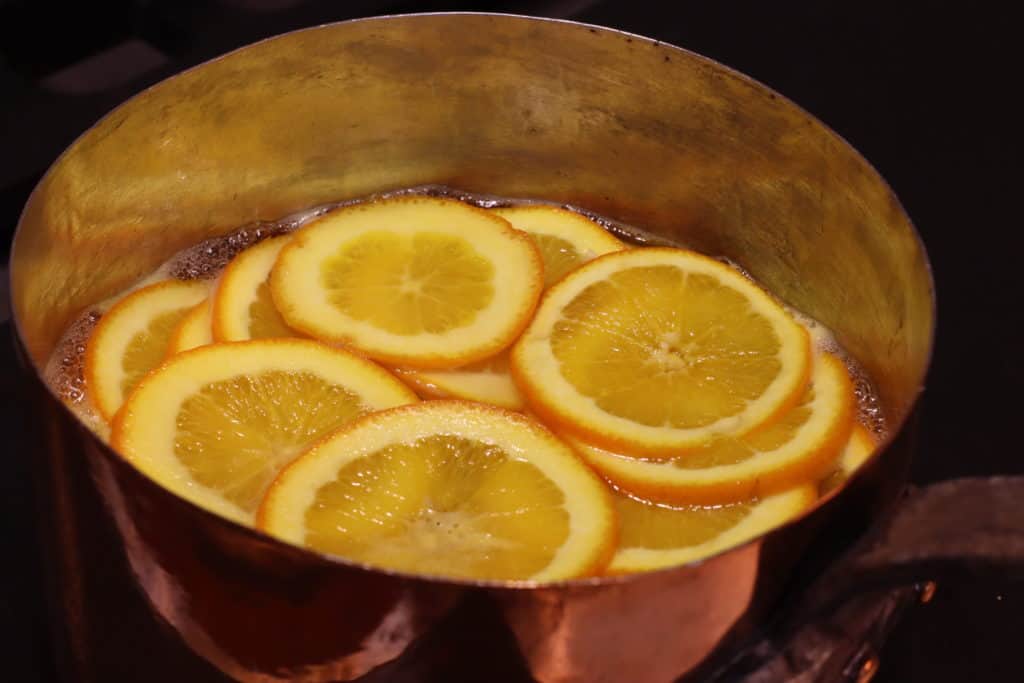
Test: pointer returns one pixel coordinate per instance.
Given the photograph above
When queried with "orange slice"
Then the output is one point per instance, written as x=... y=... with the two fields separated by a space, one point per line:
x=566 y=241
x=655 y=350
x=133 y=337
x=416 y=281
x=447 y=488
x=193 y=331
x=216 y=424
x=487 y=381
x=800 y=446
x=858 y=449
x=654 y=536
x=243 y=307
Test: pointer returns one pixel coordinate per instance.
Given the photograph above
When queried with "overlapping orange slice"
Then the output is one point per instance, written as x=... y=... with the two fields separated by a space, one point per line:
x=415 y=281
x=566 y=241
x=133 y=337
x=193 y=331
x=216 y=424
x=656 y=350
x=858 y=450
x=243 y=307
x=800 y=446
x=653 y=536
x=447 y=488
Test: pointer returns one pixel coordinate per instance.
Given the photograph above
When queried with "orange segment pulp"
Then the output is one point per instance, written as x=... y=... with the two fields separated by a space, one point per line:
x=415 y=281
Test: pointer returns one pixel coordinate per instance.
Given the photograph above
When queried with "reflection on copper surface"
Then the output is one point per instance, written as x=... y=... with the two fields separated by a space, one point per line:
x=323 y=629
x=651 y=629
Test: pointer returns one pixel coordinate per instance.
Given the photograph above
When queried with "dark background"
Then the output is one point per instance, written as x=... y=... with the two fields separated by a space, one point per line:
x=924 y=92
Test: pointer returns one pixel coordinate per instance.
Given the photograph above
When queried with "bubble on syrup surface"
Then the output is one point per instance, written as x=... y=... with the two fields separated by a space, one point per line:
x=65 y=370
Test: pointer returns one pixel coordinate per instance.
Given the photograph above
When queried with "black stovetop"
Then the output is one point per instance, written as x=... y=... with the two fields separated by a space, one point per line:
x=923 y=93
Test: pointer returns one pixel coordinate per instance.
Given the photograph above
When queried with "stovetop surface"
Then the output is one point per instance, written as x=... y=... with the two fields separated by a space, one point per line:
x=924 y=93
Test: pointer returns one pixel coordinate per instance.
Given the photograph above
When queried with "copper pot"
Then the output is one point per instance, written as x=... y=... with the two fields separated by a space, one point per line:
x=149 y=587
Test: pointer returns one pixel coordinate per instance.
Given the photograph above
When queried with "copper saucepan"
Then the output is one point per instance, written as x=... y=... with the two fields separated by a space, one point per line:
x=149 y=587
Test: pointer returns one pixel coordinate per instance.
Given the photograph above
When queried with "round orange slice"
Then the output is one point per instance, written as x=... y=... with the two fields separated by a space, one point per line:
x=446 y=488
x=193 y=331
x=216 y=424
x=800 y=446
x=655 y=350
x=243 y=307
x=487 y=381
x=858 y=449
x=133 y=337
x=415 y=281
x=653 y=536
x=566 y=241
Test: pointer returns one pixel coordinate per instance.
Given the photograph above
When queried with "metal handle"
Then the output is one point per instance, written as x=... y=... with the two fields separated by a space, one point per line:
x=948 y=532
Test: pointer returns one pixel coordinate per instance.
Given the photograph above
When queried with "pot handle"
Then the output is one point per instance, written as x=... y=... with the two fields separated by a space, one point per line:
x=946 y=532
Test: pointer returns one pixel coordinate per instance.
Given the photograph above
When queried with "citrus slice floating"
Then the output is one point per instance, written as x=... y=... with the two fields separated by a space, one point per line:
x=858 y=449
x=243 y=307
x=417 y=281
x=447 y=488
x=800 y=446
x=654 y=536
x=566 y=240
x=655 y=350
x=193 y=331
x=133 y=337
x=216 y=424
x=487 y=381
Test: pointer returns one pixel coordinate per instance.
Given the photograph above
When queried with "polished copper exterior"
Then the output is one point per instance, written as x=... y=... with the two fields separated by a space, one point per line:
x=639 y=131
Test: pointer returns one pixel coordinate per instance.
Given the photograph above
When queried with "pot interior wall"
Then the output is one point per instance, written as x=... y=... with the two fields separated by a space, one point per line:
x=627 y=127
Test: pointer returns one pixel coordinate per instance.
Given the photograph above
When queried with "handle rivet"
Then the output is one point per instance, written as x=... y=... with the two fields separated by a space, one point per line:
x=927 y=592
x=867 y=670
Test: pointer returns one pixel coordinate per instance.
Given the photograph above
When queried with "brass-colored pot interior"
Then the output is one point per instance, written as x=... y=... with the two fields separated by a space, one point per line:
x=627 y=127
